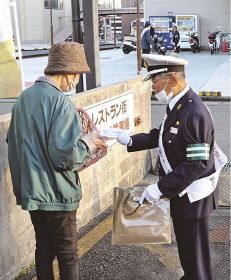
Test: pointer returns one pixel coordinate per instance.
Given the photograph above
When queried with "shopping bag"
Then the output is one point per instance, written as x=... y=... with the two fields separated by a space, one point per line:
x=139 y=224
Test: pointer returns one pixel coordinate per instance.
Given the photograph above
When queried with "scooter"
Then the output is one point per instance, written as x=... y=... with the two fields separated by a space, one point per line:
x=101 y=34
x=194 y=42
x=158 y=45
x=128 y=46
x=214 y=41
x=161 y=49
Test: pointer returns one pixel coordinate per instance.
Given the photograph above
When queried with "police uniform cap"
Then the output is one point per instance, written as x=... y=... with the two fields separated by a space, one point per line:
x=147 y=23
x=157 y=64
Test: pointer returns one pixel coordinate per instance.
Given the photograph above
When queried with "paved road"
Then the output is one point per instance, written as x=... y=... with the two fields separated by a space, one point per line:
x=204 y=71
x=116 y=66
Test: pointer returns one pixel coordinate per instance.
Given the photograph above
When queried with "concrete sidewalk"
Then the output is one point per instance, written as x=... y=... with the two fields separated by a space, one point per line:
x=116 y=66
x=150 y=262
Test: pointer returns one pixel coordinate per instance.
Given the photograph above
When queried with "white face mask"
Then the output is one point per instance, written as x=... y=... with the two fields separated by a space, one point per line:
x=162 y=96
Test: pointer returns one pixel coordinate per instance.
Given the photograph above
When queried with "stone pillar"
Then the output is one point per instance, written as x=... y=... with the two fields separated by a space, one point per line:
x=91 y=42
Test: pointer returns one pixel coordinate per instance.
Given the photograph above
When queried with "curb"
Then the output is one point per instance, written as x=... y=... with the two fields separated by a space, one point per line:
x=216 y=98
x=108 y=47
x=207 y=98
x=210 y=93
x=36 y=52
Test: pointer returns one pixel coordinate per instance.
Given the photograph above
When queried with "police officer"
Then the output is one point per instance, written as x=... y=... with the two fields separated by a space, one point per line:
x=188 y=177
x=154 y=38
x=146 y=39
x=175 y=39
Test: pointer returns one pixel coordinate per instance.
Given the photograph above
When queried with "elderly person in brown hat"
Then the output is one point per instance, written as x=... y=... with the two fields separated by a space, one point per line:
x=45 y=147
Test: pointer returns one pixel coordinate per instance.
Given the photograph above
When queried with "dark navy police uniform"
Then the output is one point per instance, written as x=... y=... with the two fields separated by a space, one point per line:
x=192 y=123
x=176 y=41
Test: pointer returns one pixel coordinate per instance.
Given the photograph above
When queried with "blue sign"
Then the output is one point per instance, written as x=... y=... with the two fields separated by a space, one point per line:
x=163 y=26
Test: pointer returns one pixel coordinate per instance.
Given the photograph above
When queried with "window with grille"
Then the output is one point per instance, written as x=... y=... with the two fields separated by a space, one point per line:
x=54 y=4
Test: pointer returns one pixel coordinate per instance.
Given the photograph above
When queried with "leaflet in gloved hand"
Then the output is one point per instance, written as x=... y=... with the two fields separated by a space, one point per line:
x=116 y=133
x=110 y=132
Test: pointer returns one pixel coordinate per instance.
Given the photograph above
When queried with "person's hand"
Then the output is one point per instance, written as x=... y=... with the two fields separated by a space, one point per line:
x=151 y=193
x=99 y=143
x=117 y=133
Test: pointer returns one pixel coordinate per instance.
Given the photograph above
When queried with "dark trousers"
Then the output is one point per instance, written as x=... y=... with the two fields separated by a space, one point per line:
x=192 y=237
x=55 y=234
x=146 y=51
x=177 y=50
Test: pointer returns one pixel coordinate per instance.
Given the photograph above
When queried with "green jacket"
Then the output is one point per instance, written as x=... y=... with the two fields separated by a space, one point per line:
x=44 y=149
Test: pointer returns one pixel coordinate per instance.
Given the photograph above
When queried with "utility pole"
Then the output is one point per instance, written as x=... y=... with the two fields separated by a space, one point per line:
x=91 y=42
x=77 y=35
x=138 y=39
x=51 y=23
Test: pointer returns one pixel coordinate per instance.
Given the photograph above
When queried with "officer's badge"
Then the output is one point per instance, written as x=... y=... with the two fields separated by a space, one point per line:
x=177 y=123
x=179 y=106
x=173 y=130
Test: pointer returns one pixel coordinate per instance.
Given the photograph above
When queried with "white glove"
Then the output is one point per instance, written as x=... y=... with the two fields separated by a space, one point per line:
x=117 y=133
x=151 y=193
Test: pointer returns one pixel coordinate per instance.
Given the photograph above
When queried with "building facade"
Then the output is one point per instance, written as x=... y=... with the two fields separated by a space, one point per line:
x=109 y=4
x=35 y=20
x=211 y=13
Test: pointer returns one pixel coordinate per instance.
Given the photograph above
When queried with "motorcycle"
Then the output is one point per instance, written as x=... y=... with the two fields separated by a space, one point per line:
x=194 y=42
x=128 y=46
x=214 y=41
x=158 y=45
x=161 y=49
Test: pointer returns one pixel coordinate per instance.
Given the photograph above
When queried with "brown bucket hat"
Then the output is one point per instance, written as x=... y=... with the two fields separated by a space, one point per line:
x=67 y=58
